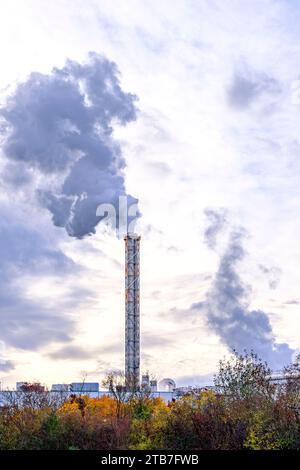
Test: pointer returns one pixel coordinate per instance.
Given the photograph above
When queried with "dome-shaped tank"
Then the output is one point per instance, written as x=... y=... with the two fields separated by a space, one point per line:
x=166 y=385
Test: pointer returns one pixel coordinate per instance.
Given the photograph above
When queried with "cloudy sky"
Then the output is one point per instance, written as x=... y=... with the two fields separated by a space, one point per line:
x=193 y=109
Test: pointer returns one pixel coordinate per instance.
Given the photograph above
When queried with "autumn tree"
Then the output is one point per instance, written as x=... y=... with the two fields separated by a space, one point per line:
x=115 y=383
x=244 y=377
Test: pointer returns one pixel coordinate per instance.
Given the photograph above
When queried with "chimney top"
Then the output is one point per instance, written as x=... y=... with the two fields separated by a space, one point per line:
x=132 y=235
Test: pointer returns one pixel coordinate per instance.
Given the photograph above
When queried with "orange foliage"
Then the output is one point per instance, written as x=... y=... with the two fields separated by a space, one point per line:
x=102 y=407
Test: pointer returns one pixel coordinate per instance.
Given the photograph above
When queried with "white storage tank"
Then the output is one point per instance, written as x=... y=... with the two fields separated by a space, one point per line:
x=167 y=385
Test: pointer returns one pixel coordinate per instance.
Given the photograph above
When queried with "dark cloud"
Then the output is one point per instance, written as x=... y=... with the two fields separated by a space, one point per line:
x=246 y=87
x=71 y=352
x=25 y=254
x=25 y=249
x=16 y=175
x=60 y=126
x=6 y=366
x=27 y=325
x=227 y=309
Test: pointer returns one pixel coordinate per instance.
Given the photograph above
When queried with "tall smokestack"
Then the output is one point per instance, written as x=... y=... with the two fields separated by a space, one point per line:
x=132 y=310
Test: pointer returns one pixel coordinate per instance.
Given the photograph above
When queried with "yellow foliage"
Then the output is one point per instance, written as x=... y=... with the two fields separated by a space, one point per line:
x=102 y=407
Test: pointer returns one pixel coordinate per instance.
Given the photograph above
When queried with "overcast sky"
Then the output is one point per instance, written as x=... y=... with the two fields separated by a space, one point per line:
x=193 y=109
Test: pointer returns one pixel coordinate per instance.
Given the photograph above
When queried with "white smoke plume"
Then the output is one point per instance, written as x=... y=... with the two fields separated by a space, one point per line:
x=227 y=302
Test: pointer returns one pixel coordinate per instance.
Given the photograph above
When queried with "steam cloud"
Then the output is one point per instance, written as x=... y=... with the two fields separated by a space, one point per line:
x=227 y=302
x=59 y=127
x=217 y=222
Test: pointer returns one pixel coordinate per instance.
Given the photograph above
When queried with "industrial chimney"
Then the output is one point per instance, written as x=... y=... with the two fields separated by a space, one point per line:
x=132 y=310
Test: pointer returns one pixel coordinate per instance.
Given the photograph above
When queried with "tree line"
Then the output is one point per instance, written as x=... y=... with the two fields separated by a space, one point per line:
x=246 y=410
